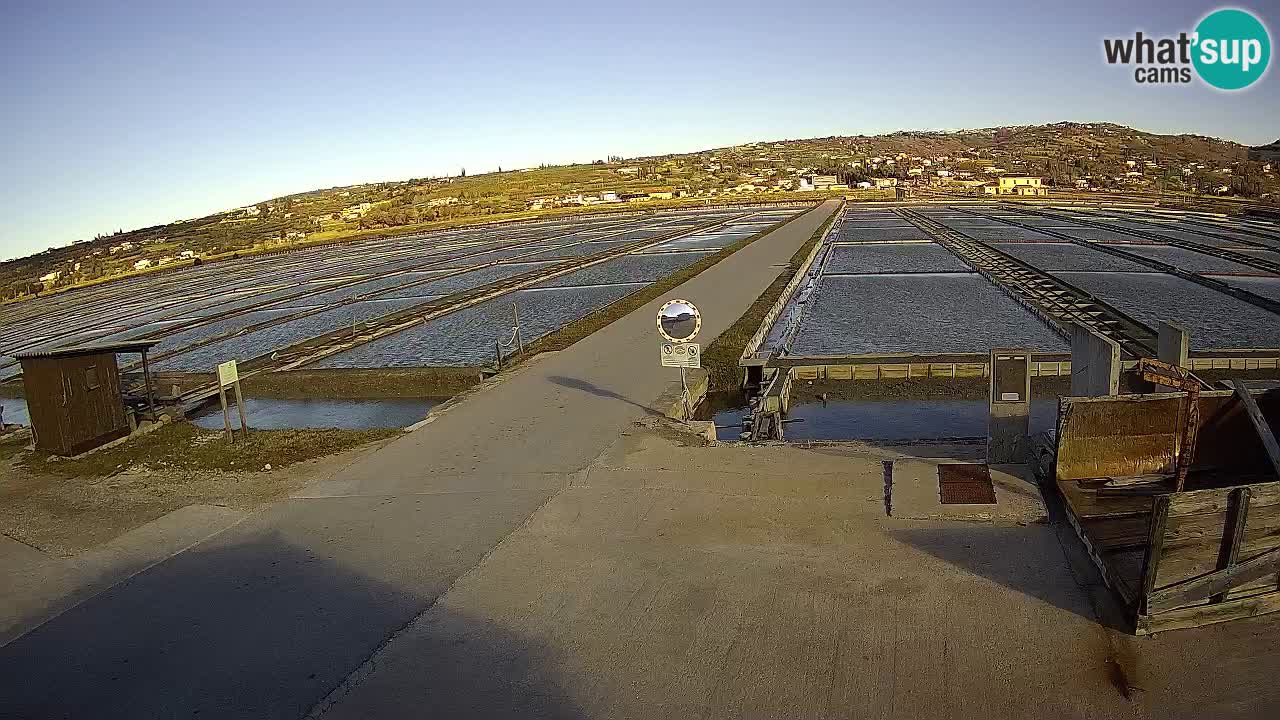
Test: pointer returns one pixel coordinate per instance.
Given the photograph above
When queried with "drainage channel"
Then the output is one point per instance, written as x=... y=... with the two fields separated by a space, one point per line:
x=876 y=420
x=323 y=413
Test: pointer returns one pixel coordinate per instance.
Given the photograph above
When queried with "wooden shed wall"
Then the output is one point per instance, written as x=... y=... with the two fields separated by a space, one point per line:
x=68 y=413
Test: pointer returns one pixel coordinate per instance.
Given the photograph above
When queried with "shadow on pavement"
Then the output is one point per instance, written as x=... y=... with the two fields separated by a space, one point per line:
x=199 y=636
x=1026 y=559
x=598 y=391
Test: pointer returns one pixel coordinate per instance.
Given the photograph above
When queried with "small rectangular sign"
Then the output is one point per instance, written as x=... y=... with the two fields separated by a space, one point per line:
x=685 y=355
x=227 y=373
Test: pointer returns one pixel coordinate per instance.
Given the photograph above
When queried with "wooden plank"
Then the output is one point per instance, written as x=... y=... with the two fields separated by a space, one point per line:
x=1191 y=545
x=1155 y=544
x=1118 y=533
x=1106 y=570
x=1140 y=434
x=1085 y=503
x=1196 y=557
x=1125 y=567
x=1131 y=435
x=1189 y=591
x=1197 y=616
x=1259 y=424
x=1233 y=534
x=1217 y=500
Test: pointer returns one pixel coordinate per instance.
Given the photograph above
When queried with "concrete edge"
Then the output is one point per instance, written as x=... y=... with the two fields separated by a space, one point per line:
x=480 y=387
x=671 y=406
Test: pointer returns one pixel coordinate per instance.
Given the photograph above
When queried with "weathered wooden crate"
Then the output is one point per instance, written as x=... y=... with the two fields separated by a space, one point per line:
x=1175 y=559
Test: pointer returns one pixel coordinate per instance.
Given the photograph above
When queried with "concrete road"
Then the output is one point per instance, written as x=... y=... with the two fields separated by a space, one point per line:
x=266 y=619
x=769 y=582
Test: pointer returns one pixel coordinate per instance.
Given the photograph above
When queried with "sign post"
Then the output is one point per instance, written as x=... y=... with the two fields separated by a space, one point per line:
x=679 y=322
x=229 y=376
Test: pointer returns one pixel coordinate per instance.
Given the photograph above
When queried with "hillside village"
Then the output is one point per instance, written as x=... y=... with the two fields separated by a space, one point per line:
x=1016 y=161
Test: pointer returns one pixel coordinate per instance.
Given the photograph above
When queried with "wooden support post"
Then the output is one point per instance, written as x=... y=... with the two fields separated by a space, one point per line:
x=1155 y=547
x=244 y=425
x=146 y=378
x=1190 y=436
x=515 y=314
x=1232 y=533
x=1173 y=344
x=1260 y=424
x=226 y=415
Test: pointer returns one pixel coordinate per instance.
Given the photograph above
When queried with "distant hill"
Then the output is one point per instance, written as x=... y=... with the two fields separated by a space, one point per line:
x=1104 y=155
x=1265 y=153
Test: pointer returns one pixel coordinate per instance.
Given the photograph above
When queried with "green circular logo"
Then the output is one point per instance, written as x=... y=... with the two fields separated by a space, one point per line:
x=1232 y=49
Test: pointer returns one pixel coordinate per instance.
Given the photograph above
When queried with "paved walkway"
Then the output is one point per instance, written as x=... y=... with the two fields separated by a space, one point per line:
x=266 y=619
x=769 y=582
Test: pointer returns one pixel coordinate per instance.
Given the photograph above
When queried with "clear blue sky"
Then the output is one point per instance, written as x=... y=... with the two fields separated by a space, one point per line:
x=127 y=114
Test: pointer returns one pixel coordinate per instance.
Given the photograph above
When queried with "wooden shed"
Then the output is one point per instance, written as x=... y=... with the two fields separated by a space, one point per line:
x=74 y=395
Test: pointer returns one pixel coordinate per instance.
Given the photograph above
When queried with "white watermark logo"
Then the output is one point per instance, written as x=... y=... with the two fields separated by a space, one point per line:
x=1229 y=50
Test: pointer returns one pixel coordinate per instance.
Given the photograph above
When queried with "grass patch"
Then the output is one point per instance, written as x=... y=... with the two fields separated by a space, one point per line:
x=183 y=446
x=588 y=324
x=720 y=358
x=13 y=446
x=362 y=384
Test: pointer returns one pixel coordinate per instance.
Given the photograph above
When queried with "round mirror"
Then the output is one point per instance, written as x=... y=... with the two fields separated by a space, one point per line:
x=679 y=321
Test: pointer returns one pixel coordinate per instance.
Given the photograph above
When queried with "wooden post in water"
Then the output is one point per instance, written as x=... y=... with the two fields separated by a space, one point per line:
x=146 y=378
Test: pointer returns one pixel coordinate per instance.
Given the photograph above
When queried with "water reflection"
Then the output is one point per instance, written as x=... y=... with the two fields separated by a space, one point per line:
x=274 y=414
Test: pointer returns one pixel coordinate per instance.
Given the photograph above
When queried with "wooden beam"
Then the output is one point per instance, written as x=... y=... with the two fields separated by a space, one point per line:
x=1259 y=424
x=1151 y=558
x=1200 y=615
x=1232 y=533
x=1199 y=588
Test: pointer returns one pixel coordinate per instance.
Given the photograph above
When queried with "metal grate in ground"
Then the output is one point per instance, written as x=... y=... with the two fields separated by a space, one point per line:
x=965 y=484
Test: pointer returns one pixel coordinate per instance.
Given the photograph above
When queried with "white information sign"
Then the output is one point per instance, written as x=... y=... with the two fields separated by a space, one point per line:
x=681 y=355
x=227 y=373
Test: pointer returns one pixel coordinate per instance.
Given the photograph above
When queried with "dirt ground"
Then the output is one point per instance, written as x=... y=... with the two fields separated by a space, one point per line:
x=64 y=507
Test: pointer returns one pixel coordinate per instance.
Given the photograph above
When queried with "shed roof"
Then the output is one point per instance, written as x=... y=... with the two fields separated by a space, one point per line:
x=133 y=346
